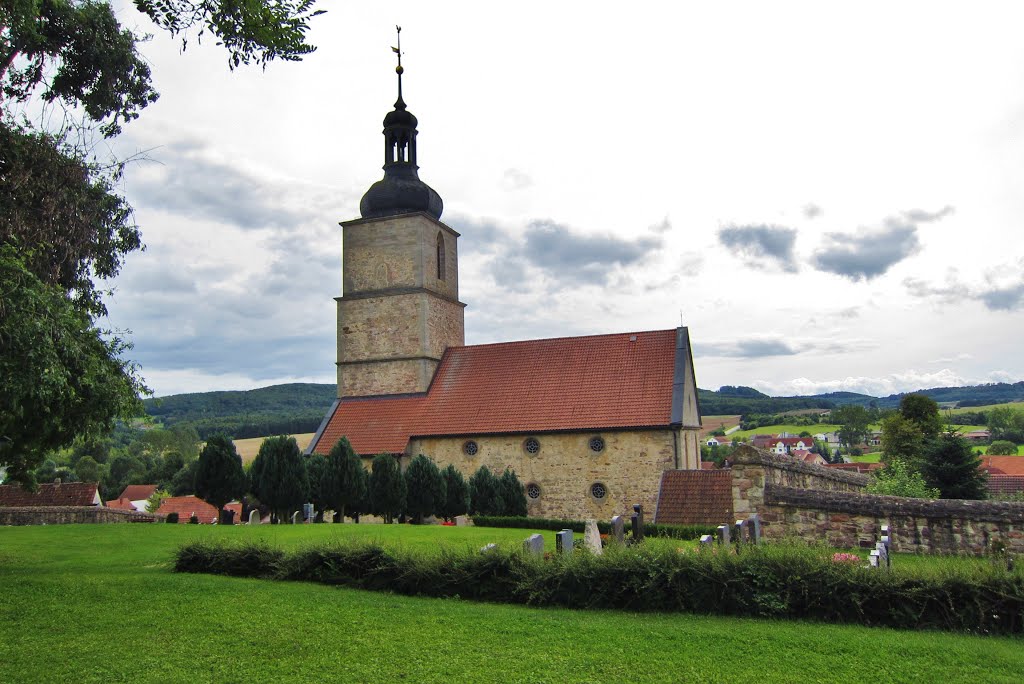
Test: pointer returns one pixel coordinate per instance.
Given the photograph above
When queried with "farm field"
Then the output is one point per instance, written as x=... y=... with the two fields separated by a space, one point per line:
x=248 y=448
x=99 y=603
x=1016 y=405
x=792 y=429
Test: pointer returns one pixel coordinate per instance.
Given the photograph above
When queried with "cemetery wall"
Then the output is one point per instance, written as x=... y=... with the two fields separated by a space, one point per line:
x=65 y=515
x=818 y=503
x=566 y=468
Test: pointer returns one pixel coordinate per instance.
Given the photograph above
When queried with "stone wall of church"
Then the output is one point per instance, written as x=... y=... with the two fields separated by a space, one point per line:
x=387 y=377
x=566 y=468
x=380 y=327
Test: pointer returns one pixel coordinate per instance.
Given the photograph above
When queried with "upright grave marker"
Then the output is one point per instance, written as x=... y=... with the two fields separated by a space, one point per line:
x=534 y=545
x=618 y=530
x=563 y=541
x=638 y=523
x=254 y=517
x=592 y=538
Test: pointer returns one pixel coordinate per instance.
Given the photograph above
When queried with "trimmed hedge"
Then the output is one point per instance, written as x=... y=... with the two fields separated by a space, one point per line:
x=650 y=529
x=779 y=580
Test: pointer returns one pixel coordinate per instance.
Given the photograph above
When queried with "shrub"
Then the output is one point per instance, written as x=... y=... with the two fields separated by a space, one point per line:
x=172 y=518
x=193 y=519
x=790 y=580
x=650 y=529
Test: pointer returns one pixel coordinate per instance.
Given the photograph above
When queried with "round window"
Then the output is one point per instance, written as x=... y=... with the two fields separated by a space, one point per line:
x=470 y=448
x=531 y=445
x=596 y=444
x=533 y=490
x=598 y=491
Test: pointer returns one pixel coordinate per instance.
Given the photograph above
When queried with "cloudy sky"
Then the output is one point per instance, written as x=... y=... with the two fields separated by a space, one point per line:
x=828 y=196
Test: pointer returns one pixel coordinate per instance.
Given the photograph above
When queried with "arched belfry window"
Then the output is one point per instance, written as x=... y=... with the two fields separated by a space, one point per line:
x=440 y=257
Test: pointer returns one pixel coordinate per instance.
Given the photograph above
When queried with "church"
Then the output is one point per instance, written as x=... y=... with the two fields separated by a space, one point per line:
x=589 y=424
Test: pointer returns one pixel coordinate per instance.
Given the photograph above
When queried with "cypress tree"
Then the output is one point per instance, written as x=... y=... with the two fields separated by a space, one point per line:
x=387 y=487
x=283 y=483
x=485 y=493
x=424 y=488
x=456 y=493
x=320 y=482
x=513 y=494
x=219 y=474
x=347 y=479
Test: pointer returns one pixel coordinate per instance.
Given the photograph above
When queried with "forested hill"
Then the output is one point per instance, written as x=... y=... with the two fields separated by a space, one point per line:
x=293 y=409
x=299 y=407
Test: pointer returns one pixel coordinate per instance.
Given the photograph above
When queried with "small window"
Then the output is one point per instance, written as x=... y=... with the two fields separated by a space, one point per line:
x=440 y=257
x=598 y=491
x=596 y=444
x=531 y=445
x=470 y=448
x=533 y=490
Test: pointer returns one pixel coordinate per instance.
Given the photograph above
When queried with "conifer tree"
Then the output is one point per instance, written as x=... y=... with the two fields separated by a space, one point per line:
x=951 y=466
x=279 y=476
x=346 y=481
x=456 y=493
x=320 y=481
x=513 y=493
x=387 y=487
x=425 y=489
x=219 y=474
x=485 y=496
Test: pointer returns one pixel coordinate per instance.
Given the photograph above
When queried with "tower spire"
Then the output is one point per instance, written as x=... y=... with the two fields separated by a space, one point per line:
x=399 y=103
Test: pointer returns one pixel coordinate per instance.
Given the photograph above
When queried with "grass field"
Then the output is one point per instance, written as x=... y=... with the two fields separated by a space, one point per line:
x=247 y=448
x=98 y=603
x=1015 y=405
x=792 y=429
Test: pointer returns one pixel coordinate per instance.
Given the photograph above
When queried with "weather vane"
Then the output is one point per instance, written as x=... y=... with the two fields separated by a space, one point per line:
x=399 y=69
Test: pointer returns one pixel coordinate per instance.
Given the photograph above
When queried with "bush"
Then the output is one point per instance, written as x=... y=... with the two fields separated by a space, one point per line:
x=172 y=518
x=790 y=580
x=650 y=529
x=193 y=519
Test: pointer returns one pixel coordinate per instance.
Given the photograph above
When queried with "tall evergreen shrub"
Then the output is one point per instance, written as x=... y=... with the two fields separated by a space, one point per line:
x=347 y=480
x=485 y=493
x=387 y=487
x=278 y=476
x=425 y=489
x=219 y=474
x=456 y=493
x=513 y=494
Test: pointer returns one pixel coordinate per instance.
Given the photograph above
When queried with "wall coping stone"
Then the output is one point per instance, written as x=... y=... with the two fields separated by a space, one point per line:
x=748 y=455
x=881 y=506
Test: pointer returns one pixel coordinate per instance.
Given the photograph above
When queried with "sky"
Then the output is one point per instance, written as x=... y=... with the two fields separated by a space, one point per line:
x=828 y=196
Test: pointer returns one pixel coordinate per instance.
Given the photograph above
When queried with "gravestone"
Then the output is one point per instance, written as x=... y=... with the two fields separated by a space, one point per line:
x=755 y=528
x=534 y=544
x=707 y=540
x=461 y=521
x=618 y=530
x=296 y=517
x=488 y=548
x=873 y=558
x=883 y=555
x=563 y=541
x=638 y=523
x=308 y=512
x=592 y=538
x=741 y=532
x=254 y=517
x=723 y=534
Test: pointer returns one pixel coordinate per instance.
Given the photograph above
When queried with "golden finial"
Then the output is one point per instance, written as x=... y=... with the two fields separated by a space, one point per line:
x=398 y=51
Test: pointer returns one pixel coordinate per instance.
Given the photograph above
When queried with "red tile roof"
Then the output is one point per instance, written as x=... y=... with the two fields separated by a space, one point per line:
x=572 y=383
x=695 y=497
x=1003 y=465
x=138 y=492
x=1005 y=484
x=186 y=506
x=64 y=494
x=121 y=504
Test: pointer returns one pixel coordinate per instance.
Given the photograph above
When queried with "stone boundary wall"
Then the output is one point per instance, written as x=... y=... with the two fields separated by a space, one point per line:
x=818 y=503
x=66 y=515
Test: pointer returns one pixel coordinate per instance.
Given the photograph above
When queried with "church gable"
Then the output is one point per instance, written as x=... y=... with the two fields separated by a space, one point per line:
x=628 y=380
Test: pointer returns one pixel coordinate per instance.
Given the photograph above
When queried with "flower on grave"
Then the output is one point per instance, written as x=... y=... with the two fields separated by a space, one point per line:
x=846 y=558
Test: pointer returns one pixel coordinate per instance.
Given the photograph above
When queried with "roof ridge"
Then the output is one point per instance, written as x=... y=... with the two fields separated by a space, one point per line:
x=563 y=337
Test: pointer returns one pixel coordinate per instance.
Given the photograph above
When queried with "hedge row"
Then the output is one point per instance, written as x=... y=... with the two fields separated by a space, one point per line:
x=768 y=581
x=650 y=529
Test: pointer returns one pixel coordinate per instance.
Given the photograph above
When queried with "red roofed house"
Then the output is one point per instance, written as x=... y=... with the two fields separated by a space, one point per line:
x=588 y=423
x=187 y=506
x=54 y=494
x=138 y=495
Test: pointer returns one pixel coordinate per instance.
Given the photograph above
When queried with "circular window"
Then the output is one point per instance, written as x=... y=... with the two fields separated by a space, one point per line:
x=470 y=448
x=598 y=491
x=533 y=490
x=531 y=445
x=596 y=444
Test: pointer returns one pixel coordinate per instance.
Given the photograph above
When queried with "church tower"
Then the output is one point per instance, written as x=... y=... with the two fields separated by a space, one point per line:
x=400 y=307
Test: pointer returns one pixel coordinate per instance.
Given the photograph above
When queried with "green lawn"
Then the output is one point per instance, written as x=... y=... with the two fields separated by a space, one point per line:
x=98 y=603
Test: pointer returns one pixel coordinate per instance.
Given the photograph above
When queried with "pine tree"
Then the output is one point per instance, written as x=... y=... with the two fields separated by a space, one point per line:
x=219 y=474
x=320 y=482
x=950 y=465
x=456 y=493
x=387 y=487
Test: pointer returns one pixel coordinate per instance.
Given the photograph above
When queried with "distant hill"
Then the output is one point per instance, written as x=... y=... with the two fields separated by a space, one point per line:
x=279 y=409
x=300 y=407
